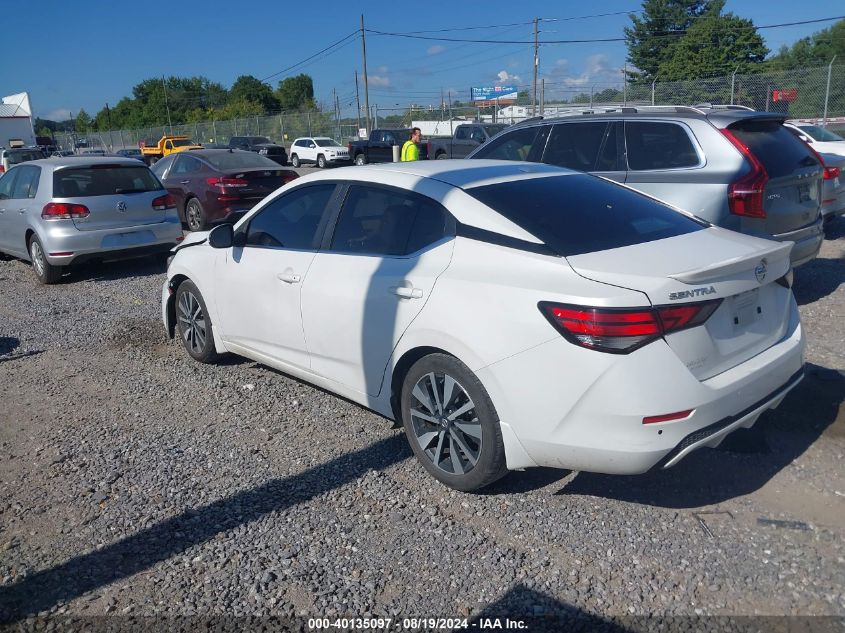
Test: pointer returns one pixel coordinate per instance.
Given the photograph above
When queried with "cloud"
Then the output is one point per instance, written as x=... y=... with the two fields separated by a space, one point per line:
x=59 y=114
x=436 y=49
x=378 y=80
x=504 y=75
x=597 y=70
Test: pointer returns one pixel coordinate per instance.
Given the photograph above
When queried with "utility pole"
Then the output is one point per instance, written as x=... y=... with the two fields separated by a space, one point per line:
x=827 y=93
x=542 y=96
x=167 y=107
x=536 y=64
x=357 y=101
x=625 y=85
x=334 y=107
x=366 y=84
x=451 y=125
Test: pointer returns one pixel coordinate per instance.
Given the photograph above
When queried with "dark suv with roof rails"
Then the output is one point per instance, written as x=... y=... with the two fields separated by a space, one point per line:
x=731 y=166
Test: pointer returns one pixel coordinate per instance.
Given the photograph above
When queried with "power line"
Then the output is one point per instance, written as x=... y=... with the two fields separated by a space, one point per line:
x=587 y=41
x=310 y=57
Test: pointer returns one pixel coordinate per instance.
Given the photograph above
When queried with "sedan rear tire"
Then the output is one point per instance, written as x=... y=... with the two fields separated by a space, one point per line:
x=195 y=216
x=451 y=424
x=44 y=270
x=193 y=323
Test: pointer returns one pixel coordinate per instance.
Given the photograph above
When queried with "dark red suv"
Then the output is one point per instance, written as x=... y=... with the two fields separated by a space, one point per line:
x=211 y=184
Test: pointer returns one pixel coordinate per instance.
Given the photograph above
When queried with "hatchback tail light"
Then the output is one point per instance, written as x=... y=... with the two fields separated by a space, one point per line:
x=745 y=196
x=2 y=169
x=227 y=182
x=162 y=203
x=622 y=330
x=64 y=211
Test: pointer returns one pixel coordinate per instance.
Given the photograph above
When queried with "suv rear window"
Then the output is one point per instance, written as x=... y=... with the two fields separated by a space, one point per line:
x=15 y=157
x=780 y=152
x=579 y=214
x=103 y=180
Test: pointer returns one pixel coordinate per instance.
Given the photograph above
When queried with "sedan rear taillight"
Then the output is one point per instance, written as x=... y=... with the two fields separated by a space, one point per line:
x=289 y=176
x=64 y=211
x=227 y=182
x=745 y=196
x=162 y=203
x=830 y=173
x=622 y=330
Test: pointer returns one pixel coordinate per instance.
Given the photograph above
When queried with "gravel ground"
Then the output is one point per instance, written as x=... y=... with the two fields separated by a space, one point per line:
x=134 y=481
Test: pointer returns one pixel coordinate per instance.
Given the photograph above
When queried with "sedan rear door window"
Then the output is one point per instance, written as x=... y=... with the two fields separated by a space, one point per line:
x=382 y=221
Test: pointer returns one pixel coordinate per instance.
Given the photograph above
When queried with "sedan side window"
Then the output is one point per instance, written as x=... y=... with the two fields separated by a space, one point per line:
x=6 y=183
x=27 y=183
x=291 y=221
x=379 y=221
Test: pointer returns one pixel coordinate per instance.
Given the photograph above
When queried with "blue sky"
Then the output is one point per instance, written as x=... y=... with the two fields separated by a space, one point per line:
x=99 y=50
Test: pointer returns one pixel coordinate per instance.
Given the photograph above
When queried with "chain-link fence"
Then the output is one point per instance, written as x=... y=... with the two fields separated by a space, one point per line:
x=806 y=93
x=283 y=127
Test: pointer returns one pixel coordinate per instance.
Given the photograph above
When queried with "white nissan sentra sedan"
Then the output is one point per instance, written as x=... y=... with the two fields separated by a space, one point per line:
x=509 y=315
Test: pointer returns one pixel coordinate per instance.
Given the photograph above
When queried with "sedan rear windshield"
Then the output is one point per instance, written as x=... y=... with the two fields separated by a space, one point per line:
x=821 y=134
x=22 y=156
x=583 y=214
x=780 y=152
x=103 y=180
x=232 y=161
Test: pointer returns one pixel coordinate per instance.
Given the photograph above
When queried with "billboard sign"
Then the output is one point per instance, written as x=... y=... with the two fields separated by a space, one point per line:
x=493 y=93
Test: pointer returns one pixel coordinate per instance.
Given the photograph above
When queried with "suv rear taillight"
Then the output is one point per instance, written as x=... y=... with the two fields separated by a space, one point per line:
x=622 y=330
x=745 y=196
x=64 y=211
x=162 y=203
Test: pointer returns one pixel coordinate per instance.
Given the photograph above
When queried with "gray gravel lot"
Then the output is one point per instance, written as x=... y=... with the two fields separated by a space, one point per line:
x=136 y=481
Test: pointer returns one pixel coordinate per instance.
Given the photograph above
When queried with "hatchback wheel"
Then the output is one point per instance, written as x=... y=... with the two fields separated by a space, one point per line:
x=360 y=159
x=321 y=161
x=294 y=160
x=451 y=423
x=195 y=216
x=44 y=270
x=194 y=323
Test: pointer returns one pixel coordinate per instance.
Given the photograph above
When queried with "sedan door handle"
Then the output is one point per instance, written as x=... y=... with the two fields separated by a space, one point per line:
x=22 y=211
x=289 y=278
x=184 y=182
x=407 y=293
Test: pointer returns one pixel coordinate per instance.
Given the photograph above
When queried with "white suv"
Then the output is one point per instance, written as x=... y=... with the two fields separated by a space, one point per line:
x=319 y=150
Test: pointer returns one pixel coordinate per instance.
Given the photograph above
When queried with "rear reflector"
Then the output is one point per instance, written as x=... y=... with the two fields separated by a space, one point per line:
x=669 y=417
x=180 y=238
x=162 y=203
x=61 y=254
x=622 y=330
x=745 y=196
x=64 y=211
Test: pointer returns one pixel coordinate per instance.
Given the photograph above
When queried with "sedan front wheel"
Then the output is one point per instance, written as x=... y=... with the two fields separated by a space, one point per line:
x=193 y=323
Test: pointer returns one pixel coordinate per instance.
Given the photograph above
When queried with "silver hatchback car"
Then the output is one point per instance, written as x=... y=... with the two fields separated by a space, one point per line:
x=62 y=211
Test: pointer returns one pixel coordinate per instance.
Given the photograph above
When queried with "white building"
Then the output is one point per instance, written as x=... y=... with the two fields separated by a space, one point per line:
x=16 y=120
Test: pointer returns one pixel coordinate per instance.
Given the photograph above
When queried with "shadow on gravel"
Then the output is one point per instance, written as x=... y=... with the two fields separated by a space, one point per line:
x=9 y=344
x=45 y=589
x=745 y=461
x=121 y=269
x=539 y=612
x=818 y=279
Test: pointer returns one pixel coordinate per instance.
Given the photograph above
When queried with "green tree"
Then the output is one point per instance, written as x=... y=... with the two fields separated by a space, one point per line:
x=815 y=50
x=296 y=93
x=248 y=88
x=651 y=38
x=83 y=121
x=713 y=46
x=238 y=109
x=44 y=131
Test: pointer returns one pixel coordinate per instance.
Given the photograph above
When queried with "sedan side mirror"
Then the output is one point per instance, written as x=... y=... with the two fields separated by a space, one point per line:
x=221 y=236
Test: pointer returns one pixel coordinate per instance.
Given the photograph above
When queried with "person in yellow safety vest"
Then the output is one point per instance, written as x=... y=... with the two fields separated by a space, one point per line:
x=410 y=151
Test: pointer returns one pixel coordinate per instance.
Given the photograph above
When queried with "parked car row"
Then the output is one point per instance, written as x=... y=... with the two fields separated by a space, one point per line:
x=439 y=293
